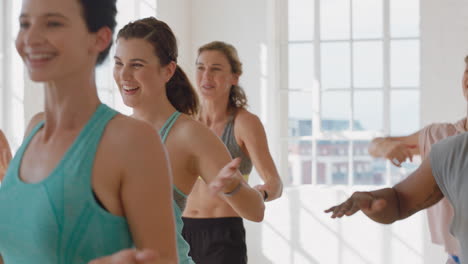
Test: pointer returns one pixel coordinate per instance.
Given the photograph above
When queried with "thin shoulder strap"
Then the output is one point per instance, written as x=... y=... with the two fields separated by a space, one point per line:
x=164 y=132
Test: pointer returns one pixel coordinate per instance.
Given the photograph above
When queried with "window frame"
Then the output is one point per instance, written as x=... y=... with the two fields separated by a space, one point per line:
x=348 y=135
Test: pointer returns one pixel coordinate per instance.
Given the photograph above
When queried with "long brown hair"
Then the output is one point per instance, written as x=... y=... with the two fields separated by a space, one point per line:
x=237 y=97
x=179 y=90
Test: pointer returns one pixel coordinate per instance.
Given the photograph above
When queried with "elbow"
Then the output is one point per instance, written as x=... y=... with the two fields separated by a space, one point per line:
x=256 y=216
x=260 y=215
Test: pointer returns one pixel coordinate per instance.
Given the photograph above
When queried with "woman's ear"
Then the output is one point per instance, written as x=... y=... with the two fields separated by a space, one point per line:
x=235 y=79
x=169 y=70
x=102 y=39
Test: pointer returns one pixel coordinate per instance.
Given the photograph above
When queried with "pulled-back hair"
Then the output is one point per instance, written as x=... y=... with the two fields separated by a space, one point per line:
x=179 y=90
x=237 y=97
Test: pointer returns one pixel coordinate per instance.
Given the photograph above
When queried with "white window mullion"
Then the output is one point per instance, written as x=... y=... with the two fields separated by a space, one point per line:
x=386 y=78
x=316 y=90
x=351 y=110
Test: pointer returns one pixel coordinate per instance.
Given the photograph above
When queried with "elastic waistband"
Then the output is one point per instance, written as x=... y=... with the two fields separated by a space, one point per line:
x=208 y=223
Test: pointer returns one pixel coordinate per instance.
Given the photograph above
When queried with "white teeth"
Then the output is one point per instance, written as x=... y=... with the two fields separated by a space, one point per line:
x=127 y=88
x=40 y=56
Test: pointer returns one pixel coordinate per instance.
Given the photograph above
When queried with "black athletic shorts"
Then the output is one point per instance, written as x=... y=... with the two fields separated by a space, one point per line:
x=216 y=240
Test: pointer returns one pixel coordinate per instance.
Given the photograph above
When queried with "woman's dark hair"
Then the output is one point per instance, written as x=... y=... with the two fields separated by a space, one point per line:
x=98 y=14
x=179 y=90
x=237 y=97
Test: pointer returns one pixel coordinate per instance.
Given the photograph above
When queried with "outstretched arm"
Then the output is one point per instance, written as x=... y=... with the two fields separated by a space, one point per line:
x=250 y=130
x=418 y=191
x=395 y=149
x=219 y=171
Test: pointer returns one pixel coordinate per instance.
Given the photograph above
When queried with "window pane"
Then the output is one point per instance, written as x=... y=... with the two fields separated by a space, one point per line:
x=106 y=96
x=300 y=161
x=367 y=19
x=397 y=174
x=366 y=169
x=404 y=18
x=332 y=161
x=404 y=63
x=300 y=114
x=119 y=104
x=335 y=65
x=368 y=64
x=334 y=19
x=404 y=112
x=368 y=110
x=301 y=19
x=336 y=109
x=301 y=66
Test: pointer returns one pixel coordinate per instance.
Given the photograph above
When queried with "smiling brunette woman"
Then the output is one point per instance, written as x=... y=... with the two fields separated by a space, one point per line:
x=87 y=181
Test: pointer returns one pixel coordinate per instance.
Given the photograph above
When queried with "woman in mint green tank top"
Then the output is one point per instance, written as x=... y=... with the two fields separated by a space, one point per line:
x=160 y=94
x=79 y=186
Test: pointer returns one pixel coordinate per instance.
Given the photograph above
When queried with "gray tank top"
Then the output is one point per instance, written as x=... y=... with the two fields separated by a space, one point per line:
x=229 y=140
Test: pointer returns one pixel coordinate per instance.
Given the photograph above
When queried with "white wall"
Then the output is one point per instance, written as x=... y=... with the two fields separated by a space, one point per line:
x=444 y=41
x=177 y=14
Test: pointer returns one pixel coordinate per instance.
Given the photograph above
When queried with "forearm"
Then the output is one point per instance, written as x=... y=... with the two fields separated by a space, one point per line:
x=391 y=212
x=374 y=147
x=274 y=189
x=247 y=202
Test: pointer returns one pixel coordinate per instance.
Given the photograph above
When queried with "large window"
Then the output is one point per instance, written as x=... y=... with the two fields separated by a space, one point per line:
x=128 y=11
x=11 y=75
x=352 y=74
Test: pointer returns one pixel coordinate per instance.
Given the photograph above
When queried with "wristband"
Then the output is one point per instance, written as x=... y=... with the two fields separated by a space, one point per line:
x=234 y=191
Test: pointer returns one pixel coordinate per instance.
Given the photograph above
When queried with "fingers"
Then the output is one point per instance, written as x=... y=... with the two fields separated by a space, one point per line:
x=233 y=164
x=399 y=153
x=225 y=177
x=128 y=256
x=260 y=187
x=358 y=201
x=342 y=209
x=145 y=255
x=395 y=162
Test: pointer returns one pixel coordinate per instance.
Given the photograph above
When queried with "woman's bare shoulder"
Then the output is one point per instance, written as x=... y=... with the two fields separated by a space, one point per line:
x=128 y=134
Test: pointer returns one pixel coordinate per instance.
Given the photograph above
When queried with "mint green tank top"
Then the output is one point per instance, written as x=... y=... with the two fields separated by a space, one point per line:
x=57 y=220
x=179 y=200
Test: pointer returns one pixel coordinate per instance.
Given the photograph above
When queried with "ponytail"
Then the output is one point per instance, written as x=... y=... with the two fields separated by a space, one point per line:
x=181 y=94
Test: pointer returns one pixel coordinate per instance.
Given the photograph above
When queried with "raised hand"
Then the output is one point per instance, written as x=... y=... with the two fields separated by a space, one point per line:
x=394 y=150
x=227 y=179
x=363 y=201
x=128 y=256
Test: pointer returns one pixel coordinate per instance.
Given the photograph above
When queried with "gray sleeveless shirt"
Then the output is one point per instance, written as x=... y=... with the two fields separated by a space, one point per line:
x=229 y=140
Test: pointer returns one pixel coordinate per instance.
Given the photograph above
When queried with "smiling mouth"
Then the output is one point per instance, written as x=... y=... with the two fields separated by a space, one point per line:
x=127 y=88
x=39 y=58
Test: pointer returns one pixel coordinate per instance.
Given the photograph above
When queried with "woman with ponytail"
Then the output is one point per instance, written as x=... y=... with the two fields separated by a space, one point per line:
x=151 y=82
x=223 y=110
